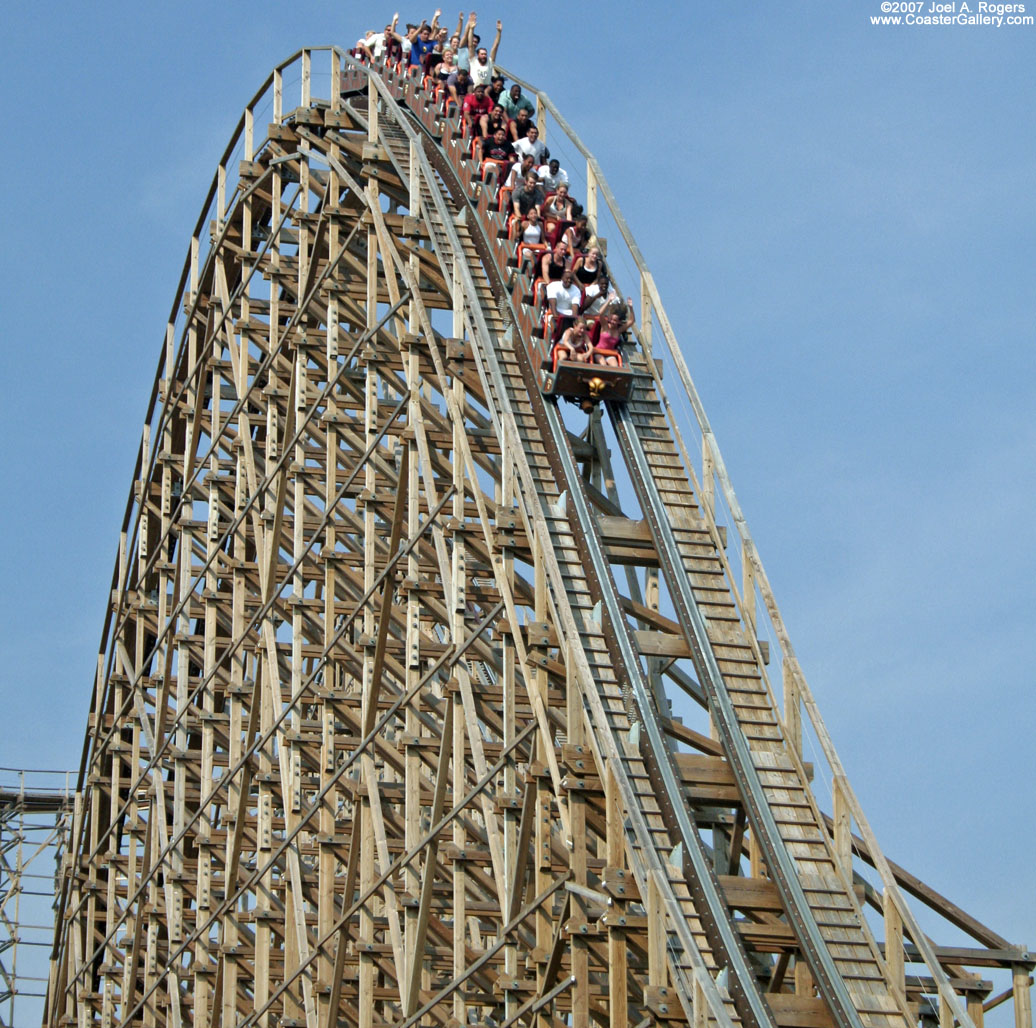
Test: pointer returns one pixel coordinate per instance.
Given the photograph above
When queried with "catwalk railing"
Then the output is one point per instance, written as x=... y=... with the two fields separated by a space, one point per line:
x=35 y=810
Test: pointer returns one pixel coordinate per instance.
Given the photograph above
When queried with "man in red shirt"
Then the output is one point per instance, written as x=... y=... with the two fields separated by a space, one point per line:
x=475 y=111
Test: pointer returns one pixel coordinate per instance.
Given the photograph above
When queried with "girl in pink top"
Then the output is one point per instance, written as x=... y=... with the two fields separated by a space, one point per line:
x=615 y=321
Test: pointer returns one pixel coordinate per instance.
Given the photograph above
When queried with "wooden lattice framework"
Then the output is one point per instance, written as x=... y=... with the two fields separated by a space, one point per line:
x=375 y=733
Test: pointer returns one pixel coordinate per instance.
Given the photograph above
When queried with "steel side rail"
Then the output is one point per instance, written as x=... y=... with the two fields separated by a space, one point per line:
x=486 y=353
x=656 y=741
x=828 y=979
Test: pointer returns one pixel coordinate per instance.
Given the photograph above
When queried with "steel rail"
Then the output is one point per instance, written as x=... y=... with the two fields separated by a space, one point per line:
x=490 y=365
x=701 y=870
x=778 y=861
x=742 y=978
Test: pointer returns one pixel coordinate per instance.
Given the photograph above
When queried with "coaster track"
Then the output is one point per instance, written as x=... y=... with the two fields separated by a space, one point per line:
x=411 y=707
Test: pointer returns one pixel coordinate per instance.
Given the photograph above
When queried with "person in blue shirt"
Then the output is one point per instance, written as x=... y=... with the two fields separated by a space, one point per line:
x=421 y=43
x=423 y=39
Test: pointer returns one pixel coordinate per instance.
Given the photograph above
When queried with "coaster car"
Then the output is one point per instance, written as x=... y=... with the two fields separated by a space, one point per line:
x=586 y=384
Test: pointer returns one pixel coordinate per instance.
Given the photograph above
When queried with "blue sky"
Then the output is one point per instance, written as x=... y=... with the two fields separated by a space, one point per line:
x=841 y=222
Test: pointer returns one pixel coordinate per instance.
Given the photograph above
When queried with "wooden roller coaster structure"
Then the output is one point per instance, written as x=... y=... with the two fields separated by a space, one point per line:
x=412 y=706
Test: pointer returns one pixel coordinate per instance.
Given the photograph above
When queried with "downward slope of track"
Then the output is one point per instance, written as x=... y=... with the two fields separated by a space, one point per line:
x=694 y=931
x=841 y=952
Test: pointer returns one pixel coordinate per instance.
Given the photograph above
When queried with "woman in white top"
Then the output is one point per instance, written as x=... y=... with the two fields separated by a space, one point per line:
x=557 y=212
x=574 y=344
x=531 y=238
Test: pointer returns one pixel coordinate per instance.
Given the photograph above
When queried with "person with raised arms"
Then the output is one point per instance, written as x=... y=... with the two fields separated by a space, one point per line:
x=481 y=59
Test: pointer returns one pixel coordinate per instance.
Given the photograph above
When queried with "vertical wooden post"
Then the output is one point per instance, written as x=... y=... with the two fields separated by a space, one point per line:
x=414 y=727
x=657 y=974
x=699 y=1005
x=577 y=807
x=221 y=195
x=292 y=1007
x=278 y=95
x=508 y=678
x=747 y=586
x=894 y=963
x=792 y=705
x=336 y=81
x=843 y=839
x=249 y=142
x=195 y=246
x=458 y=574
x=369 y=912
x=203 y=879
x=152 y=968
x=459 y=840
x=266 y=891
x=114 y=788
x=372 y=114
x=804 y=979
x=591 y=198
x=646 y=314
x=975 y=1011
x=1022 y=997
x=654 y=664
x=307 y=72
x=756 y=866
x=615 y=857
x=708 y=478
x=327 y=862
x=544 y=805
x=415 y=192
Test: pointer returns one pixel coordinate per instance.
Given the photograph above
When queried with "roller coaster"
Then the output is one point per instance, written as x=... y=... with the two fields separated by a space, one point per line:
x=425 y=699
